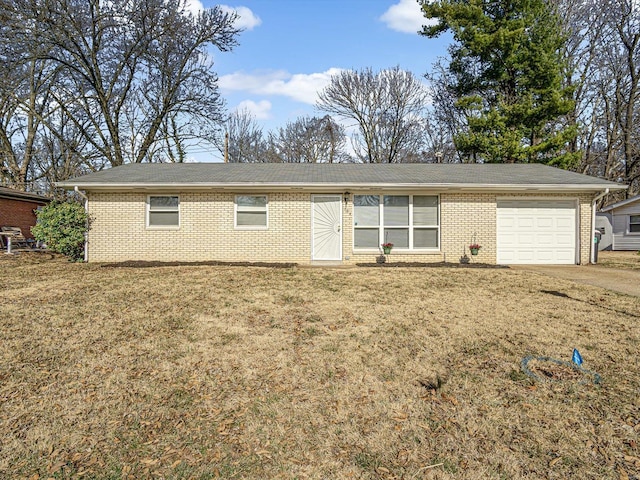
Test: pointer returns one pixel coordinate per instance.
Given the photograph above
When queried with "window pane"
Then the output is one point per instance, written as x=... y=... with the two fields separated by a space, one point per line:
x=396 y=210
x=163 y=219
x=425 y=210
x=163 y=203
x=634 y=228
x=634 y=218
x=251 y=201
x=366 y=238
x=366 y=210
x=425 y=238
x=398 y=236
x=254 y=219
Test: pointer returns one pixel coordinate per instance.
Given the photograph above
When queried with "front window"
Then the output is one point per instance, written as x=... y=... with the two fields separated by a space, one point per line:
x=366 y=220
x=410 y=222
x=251 y=212
x=634 y=223
x=163 y=211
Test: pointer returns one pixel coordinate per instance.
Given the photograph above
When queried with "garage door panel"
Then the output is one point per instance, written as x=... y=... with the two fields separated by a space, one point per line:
x=545 y=222
x=525 y=222
x=566 y=256
x=545 y=256
x=565 y=222
x=525 y=240
x=545 y=241
x=536 y=231
x=524 y=256
x=565 y=240
x=508 y=222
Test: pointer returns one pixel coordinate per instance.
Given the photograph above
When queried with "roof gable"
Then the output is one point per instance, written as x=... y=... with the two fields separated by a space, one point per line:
x=622 y=203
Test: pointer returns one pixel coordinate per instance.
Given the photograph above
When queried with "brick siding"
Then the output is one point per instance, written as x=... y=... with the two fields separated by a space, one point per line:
x=207 y=230
x=18 y=213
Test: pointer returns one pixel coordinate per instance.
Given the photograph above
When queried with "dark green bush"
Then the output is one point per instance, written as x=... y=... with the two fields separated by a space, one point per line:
x=62 y=226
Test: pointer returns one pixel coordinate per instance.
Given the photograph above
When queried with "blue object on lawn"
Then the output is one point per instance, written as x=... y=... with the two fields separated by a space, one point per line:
x=577 y=358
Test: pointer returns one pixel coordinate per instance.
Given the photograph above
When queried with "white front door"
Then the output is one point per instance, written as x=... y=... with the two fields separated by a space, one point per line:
x=326 y=227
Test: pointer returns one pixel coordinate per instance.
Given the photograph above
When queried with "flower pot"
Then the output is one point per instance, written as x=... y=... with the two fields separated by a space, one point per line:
x=474 y=251
x=386 y=250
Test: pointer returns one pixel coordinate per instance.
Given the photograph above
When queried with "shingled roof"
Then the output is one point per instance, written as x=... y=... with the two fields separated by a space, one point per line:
x=336 y=176
x=13 y=194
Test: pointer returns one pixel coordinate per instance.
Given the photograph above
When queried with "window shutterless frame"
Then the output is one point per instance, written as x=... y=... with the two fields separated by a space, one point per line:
x=251 y=212
x=634 y=225
x=408 y=221
x=163 y=212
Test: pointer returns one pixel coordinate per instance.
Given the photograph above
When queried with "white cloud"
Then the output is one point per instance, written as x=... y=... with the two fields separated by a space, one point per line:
x=301 y=87
x=247 y=20
x=406 y=17
x=260 y=110
x=194 y=7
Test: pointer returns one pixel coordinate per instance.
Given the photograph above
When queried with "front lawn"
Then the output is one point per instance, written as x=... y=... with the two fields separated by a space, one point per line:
x=624 y=260
x=245 y=372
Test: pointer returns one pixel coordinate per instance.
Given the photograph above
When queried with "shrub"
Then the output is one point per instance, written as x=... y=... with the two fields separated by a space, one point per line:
x=62 y=226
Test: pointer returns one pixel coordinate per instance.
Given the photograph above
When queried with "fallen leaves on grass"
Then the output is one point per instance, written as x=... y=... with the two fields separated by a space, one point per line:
x=243 y=372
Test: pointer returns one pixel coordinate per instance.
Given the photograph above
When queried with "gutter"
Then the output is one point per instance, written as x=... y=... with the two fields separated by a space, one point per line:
x=593 y=223
x=86 y=233
x=334 y=187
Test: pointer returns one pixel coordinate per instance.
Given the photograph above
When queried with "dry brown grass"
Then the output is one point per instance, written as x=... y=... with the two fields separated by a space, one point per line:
x=232 y=372
x=626 y=260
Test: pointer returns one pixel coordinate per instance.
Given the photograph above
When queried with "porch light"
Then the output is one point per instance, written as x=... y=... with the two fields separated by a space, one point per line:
x=346 y=197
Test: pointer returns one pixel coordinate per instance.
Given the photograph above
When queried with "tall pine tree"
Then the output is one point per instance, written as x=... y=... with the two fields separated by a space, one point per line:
x=507 y=70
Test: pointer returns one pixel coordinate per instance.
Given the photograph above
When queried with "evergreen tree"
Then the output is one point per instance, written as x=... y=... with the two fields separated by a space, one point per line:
x=506 y=69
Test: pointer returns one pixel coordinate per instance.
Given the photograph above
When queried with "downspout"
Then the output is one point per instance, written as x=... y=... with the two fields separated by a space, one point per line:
x=86 y=209
x=593 y=222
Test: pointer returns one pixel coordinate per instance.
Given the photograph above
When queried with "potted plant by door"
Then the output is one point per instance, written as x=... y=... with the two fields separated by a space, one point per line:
x=474 y=248
x=386 y=247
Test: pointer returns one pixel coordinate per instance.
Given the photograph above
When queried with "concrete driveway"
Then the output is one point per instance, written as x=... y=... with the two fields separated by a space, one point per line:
x=615 y=279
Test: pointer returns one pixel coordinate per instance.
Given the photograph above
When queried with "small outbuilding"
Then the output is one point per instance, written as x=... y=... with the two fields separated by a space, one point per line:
x=619 y=224
x=17 y=209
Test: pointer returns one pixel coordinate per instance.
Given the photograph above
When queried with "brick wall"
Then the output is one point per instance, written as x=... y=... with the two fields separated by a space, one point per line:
x=586 y=231
x=207 y=231
x=18 y=213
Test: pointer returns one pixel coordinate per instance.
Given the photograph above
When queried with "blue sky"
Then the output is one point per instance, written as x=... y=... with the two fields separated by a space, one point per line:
x=290 y=48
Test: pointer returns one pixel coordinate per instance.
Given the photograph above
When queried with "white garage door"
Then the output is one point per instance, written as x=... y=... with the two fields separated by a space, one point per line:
x=536 y=231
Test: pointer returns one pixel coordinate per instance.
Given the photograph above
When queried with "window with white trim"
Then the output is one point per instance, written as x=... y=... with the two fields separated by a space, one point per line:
x=251 y=212
x=634 y=223
x=410 y=222
x=163 y=211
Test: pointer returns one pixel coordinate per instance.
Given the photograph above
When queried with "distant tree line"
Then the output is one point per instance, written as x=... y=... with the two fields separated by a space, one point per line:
x=386 y=112
x=304 y=140
x=87 y=84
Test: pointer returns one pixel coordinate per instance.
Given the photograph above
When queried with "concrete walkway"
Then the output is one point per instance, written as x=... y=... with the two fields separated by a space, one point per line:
x=615 y=279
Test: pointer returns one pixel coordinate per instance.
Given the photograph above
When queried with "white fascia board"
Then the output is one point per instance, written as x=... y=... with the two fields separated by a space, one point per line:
x=333 y=187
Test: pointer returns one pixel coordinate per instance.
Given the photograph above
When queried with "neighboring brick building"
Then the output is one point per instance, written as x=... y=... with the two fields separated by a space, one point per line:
x=340 y=213
x=16 y=209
